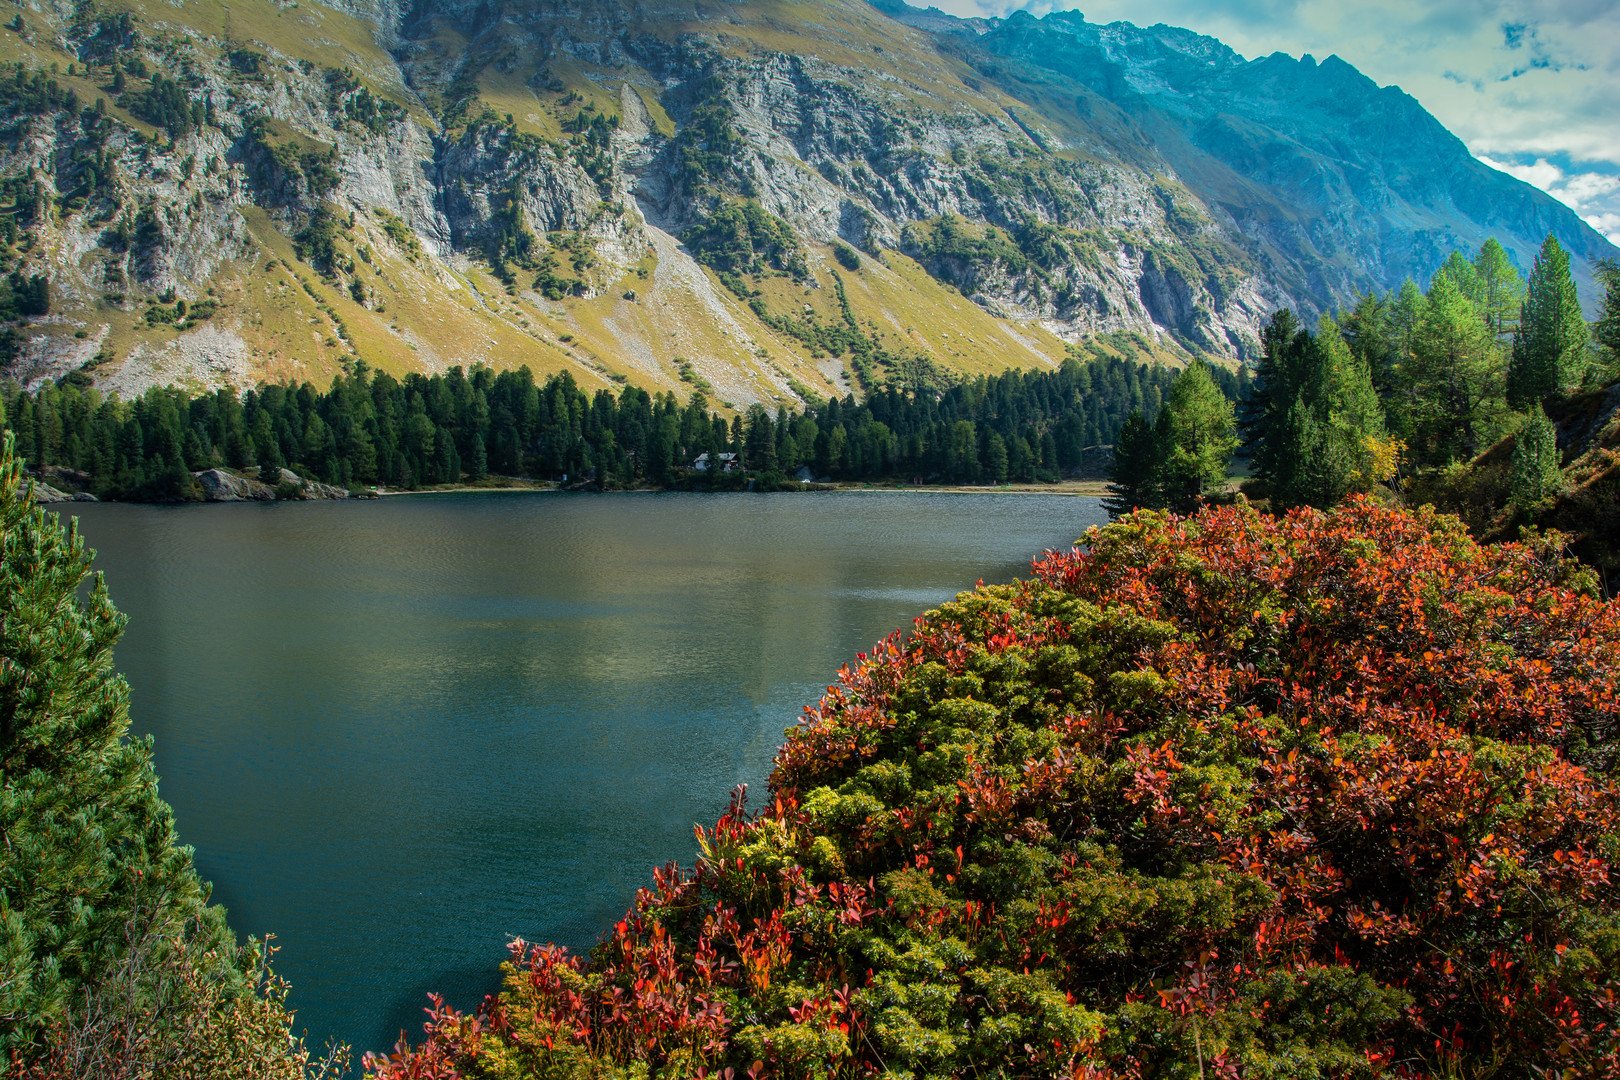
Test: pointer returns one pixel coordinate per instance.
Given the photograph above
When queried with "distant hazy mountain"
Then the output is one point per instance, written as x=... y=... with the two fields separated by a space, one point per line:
x=658 y=191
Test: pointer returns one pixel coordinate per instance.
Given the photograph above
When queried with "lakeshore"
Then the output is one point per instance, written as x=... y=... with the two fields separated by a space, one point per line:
x=364 y=720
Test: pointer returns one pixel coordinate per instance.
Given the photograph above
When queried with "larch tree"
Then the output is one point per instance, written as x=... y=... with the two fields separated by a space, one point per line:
x=1407 y=306
x=1369 y=330
x=1461 y=270
x=1499 y=288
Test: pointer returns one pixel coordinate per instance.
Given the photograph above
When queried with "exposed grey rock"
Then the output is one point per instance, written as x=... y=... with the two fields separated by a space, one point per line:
x=1208 y=189
x=313 y=490
x=310 y=489
x=220 y=486
x=43 y=493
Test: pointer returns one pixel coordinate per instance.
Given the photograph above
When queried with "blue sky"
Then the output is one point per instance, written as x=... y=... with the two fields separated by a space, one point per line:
x=1532 y=87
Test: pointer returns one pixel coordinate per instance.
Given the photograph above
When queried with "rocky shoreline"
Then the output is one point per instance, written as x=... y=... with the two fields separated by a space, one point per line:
x=57 y=485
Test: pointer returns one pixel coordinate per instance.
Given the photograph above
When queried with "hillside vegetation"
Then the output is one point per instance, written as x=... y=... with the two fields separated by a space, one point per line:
x=1487 y=395
x=215 y=194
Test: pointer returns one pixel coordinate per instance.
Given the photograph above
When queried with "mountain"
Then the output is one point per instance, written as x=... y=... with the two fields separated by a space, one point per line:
x=771 y=201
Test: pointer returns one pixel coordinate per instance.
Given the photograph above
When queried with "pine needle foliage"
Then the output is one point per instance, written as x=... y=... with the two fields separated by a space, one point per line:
x=1315 y=424
x=112 y=961
x=1550 y=346
x=1534 y=466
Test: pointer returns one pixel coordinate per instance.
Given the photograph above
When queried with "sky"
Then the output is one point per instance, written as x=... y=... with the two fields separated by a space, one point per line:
x=1532 y=86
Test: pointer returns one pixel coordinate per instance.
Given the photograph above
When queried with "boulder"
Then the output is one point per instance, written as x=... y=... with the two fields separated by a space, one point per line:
x=43 y=493
x=220 y=486
x=310 y=489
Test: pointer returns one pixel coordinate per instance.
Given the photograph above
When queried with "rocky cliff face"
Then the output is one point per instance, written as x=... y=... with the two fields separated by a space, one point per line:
x=458 y=182
x=1345 y=184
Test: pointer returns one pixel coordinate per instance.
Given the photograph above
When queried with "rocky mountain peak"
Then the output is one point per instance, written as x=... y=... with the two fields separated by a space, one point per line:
x=653 y=190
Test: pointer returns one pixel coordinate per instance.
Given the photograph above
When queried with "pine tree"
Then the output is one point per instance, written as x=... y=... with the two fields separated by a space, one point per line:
x=1272 y=393
x=112 y=961
x=1354 y=418
x=759 y=445
x=1133 y=480
x=1318 y=423
x=1452 y=390
x=88 y=842
x=994 y=459
x=1200 y=434
x=1535 y=475
x=1550 y=345
x=1606 y=332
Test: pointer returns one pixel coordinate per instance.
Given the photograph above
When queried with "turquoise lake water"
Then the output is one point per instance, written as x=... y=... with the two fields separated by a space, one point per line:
x=400 y=733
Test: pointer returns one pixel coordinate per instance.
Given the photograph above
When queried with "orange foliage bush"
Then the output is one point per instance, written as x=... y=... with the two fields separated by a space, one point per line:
x=1229 y=795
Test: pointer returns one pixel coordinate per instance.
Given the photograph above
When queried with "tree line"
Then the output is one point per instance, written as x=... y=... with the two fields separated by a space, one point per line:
x=1400 y=389
x=371 y=428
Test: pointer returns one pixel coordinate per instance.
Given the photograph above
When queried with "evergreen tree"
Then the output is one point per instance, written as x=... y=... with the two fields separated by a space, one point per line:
x=1369 y=330
x=1463 y=274
x=1133 y=481
x=759 y=452
x=1550 y=343
x=1200 y=435
x=1500 y=289
x=112 y=961
x=1407 y=306
x=1272 y=392
x=88 y=841
x=994 y=459
x=1606 y=332
x=1318 y=426
x=1351 y=424
x=1535 y=475
x=1452 y=390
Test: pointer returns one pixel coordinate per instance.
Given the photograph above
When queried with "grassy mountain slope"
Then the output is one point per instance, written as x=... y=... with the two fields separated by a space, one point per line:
x=666 y=192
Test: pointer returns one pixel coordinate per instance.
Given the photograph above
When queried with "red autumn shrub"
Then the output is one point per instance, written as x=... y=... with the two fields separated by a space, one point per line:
x=1230 y=795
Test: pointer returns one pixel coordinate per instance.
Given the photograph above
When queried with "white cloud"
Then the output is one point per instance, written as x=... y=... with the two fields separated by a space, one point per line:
x=1608 y=224
x=1543 y=174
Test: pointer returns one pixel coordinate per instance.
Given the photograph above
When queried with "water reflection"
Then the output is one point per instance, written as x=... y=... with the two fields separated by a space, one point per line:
x=400 y=733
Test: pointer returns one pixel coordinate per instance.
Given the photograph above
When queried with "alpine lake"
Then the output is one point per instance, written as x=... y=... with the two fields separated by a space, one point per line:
x=400 y=733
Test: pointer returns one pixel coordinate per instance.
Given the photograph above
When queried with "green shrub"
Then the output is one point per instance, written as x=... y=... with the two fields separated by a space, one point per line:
x=1330 y=795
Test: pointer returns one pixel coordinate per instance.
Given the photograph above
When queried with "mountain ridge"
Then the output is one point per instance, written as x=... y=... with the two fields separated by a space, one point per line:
x=535 y=182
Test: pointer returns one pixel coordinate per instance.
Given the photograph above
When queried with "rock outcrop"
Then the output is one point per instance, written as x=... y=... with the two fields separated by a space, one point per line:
x=218 y=485
x=44 y=493
x=314 y=204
